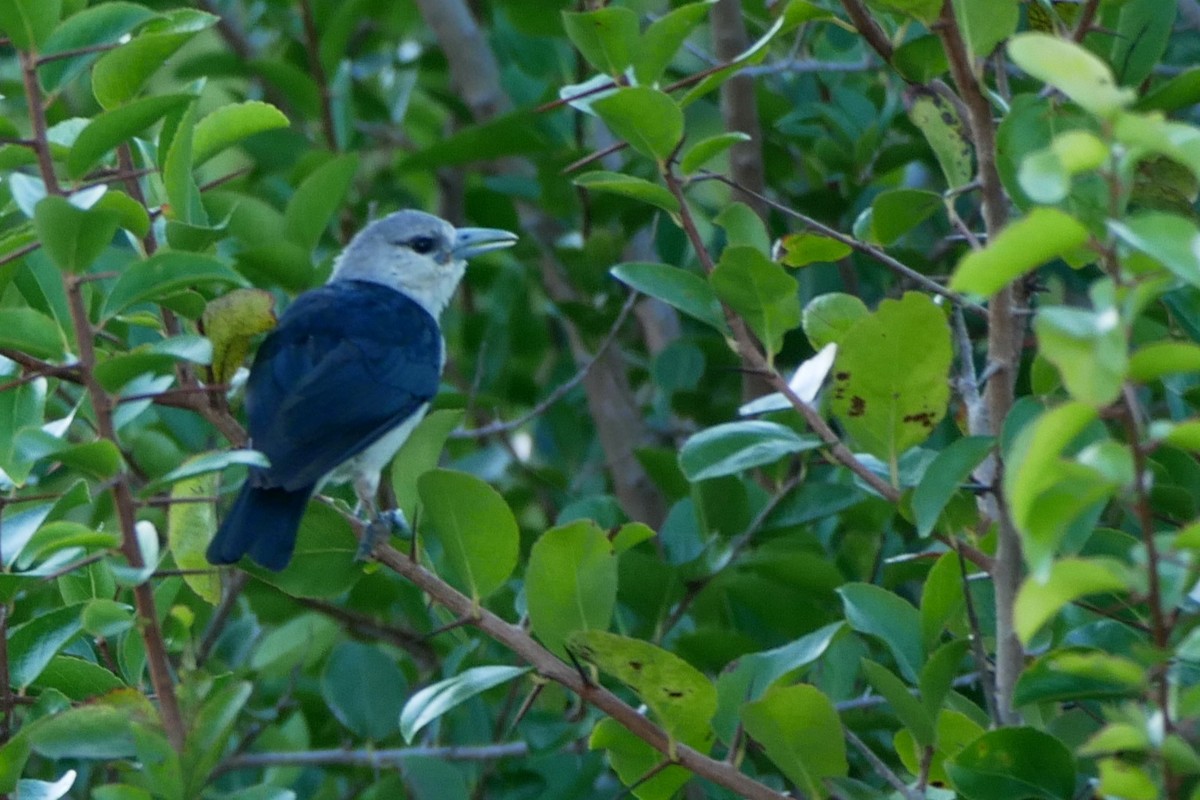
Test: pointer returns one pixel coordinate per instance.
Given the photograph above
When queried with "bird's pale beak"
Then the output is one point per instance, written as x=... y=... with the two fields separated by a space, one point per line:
x=470 y=242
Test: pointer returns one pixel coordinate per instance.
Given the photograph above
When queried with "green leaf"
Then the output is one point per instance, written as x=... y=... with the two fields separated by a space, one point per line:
x=1140 y=39
x=606 y=37
x=104 y=24
x=28 y=23
x=317 y=199
x=436 y=699
x=231 y=123
x=889 y=617
x=120 y=74
x=648 y=119
x=829 y=317
x=474 y=526
x=97 y=732
x=939 y=672
x=760 y=291
x=743 y=227
x=1169 y=239
x=231 y=322
x=628 y=186
x=31 y=332
x=749 y=677
x=890 y=378
x=131 y=215
x=804 y=248
x=1088 y=347
x=1042 y=235
x=1043 y=493
x=77 y=678
x=1077 y=674
x=632 y=759
x=986 y=23
x=1014 y=762
x=942 y=126
x=324 y=561
x=364 y=689
x=55 y=537
x=1159 y=359
x=106 y=618
x=911 y=712
x=944 y=476
x=207 y=738
x=112 y=128
x=679 y=695
x=1071 y=69
x=1178 y=92
x=73 y=237
x=676 y=287
x=205 y=464
x=420 y=453
x=920 y=59
x=191 y=522
x=1069 y=579
x=799 y=729
x=897 y=211
x=663 y=38
x=164 y=273
x=705 y=150
x=570 y=583
x=734 y=447
x=183 y=193
x=33 y=645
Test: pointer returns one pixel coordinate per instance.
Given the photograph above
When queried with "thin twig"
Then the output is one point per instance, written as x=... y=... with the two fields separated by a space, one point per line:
x=78 y=51
x=884 y=771
x=560 y=391
x=373 y=758
x=312 y=48
x=874 y=252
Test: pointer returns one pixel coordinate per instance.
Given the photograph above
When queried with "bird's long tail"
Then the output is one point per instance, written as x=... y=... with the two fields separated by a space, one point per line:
x=262 y=523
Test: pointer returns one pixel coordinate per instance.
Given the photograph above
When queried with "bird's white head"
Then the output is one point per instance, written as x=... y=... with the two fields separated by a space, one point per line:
x=418 y=254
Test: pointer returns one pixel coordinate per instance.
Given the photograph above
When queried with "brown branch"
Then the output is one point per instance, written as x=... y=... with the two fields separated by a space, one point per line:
x=1005 y=341
x=869 y=29
x=753 y=358
x=374 y=758
x=550 y=667
x=1087 y=16
x=312 y=48
x=157 y=658
x=78 y=51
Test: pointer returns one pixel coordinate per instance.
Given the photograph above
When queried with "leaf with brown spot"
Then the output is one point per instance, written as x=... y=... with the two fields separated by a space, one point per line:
x=231 y=322
x=891 y=384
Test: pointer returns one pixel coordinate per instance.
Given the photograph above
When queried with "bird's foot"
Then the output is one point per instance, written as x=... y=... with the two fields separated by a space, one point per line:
x=379 y=529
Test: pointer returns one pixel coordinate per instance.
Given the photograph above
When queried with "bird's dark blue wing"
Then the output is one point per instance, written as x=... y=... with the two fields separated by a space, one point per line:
x=348 y=362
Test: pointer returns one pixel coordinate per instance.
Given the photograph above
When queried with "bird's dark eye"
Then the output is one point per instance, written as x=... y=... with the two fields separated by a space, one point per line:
x=422 y=244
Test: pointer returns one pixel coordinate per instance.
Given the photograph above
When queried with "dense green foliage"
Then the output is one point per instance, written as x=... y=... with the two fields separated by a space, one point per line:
x=837 y=407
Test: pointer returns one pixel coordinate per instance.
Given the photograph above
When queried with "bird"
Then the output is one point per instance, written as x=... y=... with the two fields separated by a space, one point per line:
x=346 y=375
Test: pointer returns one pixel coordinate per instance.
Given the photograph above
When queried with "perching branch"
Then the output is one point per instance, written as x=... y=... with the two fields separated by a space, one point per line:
x=550 y=667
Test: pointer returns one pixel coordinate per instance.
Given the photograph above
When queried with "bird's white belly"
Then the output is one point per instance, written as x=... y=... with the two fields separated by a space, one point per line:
x=370 y=462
